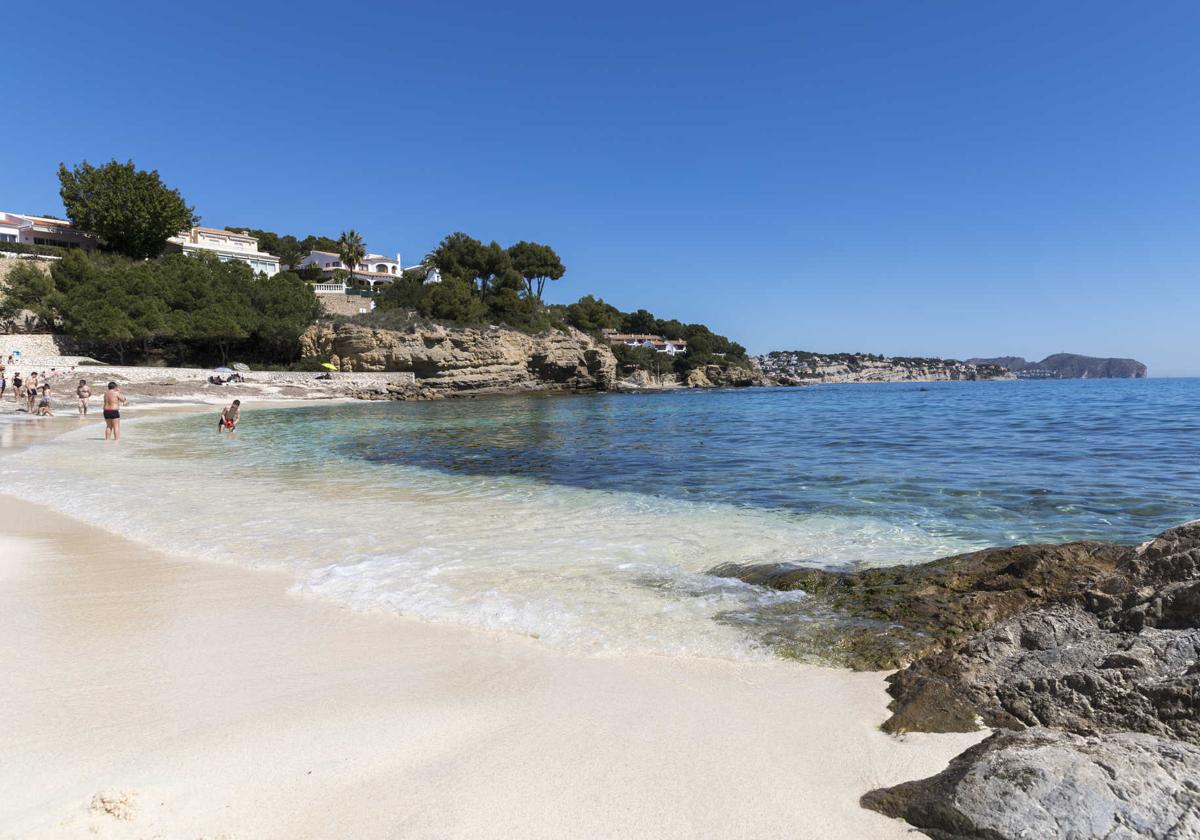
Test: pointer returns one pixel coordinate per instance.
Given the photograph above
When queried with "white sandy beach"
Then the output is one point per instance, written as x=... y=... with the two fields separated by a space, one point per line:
x=204 y=700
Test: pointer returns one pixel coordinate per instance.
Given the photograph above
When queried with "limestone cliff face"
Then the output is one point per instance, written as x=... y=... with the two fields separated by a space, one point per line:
x=714 y=376
x=799 y=367
x=450 y=361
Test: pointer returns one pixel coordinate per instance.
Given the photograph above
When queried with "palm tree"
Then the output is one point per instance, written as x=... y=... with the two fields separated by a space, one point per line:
x=351 y=250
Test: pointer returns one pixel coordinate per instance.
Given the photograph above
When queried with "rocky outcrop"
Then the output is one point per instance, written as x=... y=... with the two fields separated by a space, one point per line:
x=1087 y=654
x=715 y=376
x=1120 y=653
x=1056 y=667
x=798 y=367
x=1045 y=783
x=448 y=361
x=883 y=618
x=1069 y=366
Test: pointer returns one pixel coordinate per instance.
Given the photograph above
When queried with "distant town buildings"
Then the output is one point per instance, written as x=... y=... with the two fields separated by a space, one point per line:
x=227 y=245
x=671 y=346
x=42 y=230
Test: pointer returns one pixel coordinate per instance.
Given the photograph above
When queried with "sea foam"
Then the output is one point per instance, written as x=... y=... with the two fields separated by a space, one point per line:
x=594 y=571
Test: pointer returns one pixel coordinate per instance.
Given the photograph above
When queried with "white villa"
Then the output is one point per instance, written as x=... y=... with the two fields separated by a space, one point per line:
x=670 y=346
x=39 y=230
x=374 y=269
x=227 y=245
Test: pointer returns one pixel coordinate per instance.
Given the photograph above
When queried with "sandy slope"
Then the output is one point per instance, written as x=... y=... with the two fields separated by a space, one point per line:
x=206 y=701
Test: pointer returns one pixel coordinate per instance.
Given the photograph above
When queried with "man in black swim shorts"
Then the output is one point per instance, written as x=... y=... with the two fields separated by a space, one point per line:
x=113 y=400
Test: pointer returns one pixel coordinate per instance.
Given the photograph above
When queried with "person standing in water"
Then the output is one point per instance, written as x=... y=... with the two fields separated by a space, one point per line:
x=84 y=393
x=230 y=416
x=113 y=400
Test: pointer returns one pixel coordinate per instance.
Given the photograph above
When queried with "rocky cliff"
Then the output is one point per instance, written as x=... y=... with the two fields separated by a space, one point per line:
x=795 y=367
x=448 y=361
x=1069 y=366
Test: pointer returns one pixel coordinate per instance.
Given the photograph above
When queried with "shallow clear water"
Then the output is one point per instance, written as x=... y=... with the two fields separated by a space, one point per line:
x=590 y=522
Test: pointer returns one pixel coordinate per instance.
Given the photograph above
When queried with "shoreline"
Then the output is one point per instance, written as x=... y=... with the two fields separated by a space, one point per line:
x=227 y=705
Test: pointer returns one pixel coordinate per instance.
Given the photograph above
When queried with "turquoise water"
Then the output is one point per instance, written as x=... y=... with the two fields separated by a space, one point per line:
x=997 y=462
x=591 y=522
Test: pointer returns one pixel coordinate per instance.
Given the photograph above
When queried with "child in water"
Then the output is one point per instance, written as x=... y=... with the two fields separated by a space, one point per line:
x=229 y=416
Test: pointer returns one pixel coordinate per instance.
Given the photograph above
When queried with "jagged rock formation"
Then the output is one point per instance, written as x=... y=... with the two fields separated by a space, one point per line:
x=1045 y=783
x=449 y=361
x=715 y=376
x=1092 y=639
x=797 y=367
x=1069 y=366
x=1121 y=652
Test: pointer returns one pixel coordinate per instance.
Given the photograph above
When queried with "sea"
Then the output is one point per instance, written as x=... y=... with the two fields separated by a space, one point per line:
x=592 y=523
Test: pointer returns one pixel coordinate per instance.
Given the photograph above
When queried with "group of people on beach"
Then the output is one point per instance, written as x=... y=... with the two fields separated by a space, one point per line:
x=34 y=392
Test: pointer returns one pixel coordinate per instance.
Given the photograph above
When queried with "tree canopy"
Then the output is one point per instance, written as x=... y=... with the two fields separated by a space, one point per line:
x=130 y=210
x=536 y=263
x=190 y=307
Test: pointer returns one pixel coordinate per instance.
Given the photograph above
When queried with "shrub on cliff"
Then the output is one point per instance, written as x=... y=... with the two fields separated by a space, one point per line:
x=28 y=299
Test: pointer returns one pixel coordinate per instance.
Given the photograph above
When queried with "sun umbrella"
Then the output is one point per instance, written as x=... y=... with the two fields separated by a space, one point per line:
x=222 y=370
x=328 y=366
x=242 y=366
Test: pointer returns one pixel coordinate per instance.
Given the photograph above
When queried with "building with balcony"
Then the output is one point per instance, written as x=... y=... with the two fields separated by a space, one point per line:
x=227 y=245
x=670 y=346
x=374 y=268
x=42 y=230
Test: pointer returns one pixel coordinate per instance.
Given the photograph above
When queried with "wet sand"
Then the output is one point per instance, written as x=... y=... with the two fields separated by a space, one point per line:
x=204 y=700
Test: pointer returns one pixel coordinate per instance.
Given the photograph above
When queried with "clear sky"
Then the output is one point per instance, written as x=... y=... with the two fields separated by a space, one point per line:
x=935 y=178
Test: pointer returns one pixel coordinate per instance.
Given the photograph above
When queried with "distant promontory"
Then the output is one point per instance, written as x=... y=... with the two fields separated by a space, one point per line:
x=1068 y=366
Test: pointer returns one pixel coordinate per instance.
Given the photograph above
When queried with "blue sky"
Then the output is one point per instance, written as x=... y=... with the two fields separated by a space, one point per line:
x=909 y=178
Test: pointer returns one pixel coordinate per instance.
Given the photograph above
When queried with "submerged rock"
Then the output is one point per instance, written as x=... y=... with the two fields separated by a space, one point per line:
x=887 y=617
x=1045 y=783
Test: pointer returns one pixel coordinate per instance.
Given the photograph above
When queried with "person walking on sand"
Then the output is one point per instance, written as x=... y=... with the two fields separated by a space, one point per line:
x=18 y=385
x=113 y=400
x=230 y=416
x=3 y=380
x=84 y=393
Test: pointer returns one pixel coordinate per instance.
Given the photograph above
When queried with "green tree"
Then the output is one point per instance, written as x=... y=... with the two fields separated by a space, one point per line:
x=536 y=263
x=455 y=257
x=462 y=257
x=29 y=298
x=453 y=300
x=591 y=314
x=130 y=210
x=284 y=306
x=405 y=292
x=351 y=250
x=640 y=322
